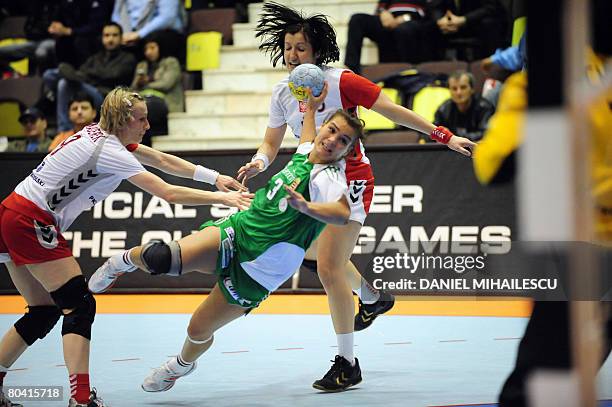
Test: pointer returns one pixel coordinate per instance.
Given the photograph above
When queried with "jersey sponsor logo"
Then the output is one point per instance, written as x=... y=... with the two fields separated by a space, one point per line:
x=67 y=190
x=227 y=282
x=46 y=234
x=282 y=205
x=356 y=190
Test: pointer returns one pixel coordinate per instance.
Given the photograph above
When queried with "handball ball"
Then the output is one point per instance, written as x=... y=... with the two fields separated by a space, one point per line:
x=306 y=76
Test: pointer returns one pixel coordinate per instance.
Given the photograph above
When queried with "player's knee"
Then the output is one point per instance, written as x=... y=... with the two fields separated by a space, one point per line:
x=197 y=332
x=37 y=322
x=310 y=265
x=76 y=298
x=162 y=258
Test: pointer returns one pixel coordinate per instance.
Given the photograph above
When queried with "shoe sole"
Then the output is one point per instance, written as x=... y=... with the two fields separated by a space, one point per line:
x=171 y=383
x=335 y=390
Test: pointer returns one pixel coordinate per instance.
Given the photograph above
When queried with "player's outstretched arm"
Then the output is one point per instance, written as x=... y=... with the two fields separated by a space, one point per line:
x=173 y=165
x=336 y=213
x=266 y=153
x=408 y=118
x=309 y=128
x=154 y=185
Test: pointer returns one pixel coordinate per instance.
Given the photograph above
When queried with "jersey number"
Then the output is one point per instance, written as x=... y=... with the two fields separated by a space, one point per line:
x=277 y=185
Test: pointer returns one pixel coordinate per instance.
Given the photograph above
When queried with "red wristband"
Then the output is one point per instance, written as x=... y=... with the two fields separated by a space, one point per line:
x=441 y=134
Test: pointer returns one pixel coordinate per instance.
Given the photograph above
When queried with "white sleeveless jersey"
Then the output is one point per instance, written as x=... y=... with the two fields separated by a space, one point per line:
x=80 y=172
x=286 y=109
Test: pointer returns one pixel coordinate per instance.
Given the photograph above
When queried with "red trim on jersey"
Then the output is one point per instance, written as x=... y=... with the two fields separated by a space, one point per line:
x=132 y=147
x=356 y=91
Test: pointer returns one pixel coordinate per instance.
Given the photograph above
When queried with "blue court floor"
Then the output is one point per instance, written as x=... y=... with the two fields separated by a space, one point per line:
x=271 y=360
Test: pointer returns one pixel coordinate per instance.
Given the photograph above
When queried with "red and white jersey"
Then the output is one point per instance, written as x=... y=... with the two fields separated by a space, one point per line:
x=346 y=90
x=79 y=173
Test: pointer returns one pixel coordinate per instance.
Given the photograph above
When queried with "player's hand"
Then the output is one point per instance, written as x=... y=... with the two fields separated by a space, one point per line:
x=296 y=200
x=313 y=103
x=486 y=64
x=226 y=183
x=249 y=170
x=240 y=200
x=386 y=19
x=461 y=145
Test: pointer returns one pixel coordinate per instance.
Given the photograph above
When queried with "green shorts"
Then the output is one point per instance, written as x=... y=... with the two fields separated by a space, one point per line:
x=235 y=284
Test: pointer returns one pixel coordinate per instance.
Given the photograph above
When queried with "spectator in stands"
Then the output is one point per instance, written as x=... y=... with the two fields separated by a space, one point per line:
x=400 y=30
x=465 y=113
x=484 y=20
x=76 y=27
x=99 y=74
x=511 y=59
x=39 y=45
x=81 y=112
x=158 y=78
x=140 y=18
x=35 y=138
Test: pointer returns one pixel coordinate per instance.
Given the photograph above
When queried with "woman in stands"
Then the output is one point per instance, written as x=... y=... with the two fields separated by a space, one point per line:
x=80 y=172
x=255 y=251
x=289 y=36
x=158 y=79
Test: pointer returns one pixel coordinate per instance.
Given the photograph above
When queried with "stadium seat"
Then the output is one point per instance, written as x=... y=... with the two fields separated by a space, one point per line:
x=218 y=19
x=203 y=50
x=26 y=91
x=9 y=117
x=376 y=121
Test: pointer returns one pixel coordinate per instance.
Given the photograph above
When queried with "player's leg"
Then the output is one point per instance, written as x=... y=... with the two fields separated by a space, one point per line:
x=336 y=245
x=63 y=279
x=41 y=317
x=195 y=252
x=212 y=314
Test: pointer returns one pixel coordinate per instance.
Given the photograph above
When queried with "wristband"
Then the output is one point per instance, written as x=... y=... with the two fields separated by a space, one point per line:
x=264 y=158
x=441 y=134
x=204 y=174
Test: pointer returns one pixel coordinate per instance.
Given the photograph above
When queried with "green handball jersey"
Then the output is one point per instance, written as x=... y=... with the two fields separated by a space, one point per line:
x=267 y=242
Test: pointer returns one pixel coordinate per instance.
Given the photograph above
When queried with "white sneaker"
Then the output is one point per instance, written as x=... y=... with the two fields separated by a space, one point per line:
x=105 y=277
x=163 y=378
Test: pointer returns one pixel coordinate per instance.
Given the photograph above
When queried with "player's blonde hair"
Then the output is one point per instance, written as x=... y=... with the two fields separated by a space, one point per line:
x=117 y=108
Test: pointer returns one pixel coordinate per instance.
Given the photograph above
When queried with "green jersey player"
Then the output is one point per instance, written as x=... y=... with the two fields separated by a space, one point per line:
x=252 y=251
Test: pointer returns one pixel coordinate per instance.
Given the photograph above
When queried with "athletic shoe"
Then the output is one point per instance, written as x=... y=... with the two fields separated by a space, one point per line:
x=4 y=402
x=105 y=277
x=163 y=378
x=94 y=401
x=368 y=312
x=340 y=377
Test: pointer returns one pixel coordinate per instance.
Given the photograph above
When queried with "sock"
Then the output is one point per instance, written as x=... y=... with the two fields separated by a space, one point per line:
x=79 y=387
x=345 y=347
x=2 y=374
x=122 y=262
x=178 y=365
x=366 y=293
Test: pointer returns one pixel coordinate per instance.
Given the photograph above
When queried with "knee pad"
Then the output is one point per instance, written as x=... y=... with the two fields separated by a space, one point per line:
x=74 y=295
x=162 y=258
x=311 y=265
x=37 y=322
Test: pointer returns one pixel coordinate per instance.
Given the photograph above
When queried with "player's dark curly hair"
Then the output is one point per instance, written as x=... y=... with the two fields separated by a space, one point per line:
x=277 y=20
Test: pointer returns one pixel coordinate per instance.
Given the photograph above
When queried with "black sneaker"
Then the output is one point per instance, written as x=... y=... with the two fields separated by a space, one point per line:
x=4 y=402
x=94 y=401
x=340 y=377
x=368 y=312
